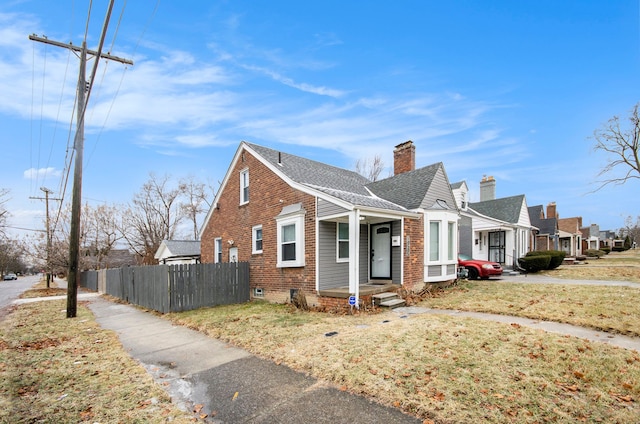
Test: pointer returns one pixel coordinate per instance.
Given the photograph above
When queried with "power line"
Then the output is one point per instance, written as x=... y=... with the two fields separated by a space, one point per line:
x=76 y=206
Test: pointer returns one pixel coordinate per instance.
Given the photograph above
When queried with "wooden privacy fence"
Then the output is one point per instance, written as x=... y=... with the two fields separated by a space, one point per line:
x=173 y=288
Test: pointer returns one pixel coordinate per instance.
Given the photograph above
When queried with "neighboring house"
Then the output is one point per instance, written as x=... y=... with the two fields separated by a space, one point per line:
x=570 y=236
x=493 y=229
x=177 y=252
x=114 y=258
x=607 y=238
x=305 y=225
x=590 y=237
x=547 y=235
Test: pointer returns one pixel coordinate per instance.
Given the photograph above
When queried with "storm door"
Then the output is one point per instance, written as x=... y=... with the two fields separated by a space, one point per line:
x=496 y=246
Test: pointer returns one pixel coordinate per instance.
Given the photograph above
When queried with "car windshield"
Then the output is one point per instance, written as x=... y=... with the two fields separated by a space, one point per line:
x=464 y=257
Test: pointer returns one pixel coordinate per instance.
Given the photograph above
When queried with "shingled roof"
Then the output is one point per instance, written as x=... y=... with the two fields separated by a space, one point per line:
x=340 y=183
x=182 y=248
x=545 y=225
x=407 y=189
x=506 y=209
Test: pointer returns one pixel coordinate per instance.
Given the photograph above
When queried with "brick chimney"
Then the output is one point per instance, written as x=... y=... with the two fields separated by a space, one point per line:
x=551 y=210
x=404 y=158
x=487 y=188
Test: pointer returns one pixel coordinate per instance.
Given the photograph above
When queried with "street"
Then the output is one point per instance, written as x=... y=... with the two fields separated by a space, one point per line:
x=11 y=290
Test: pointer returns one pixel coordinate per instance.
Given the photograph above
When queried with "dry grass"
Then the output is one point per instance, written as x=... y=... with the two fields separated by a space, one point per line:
x=617 y=266
x=58 y=370
x=613 y=309
x=440 y=368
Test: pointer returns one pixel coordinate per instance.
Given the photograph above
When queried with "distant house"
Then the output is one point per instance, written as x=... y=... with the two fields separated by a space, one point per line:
x=570 y=236
x=176 y=252
x=547 y=236
x=493 y=229
x=93 y=258
x=590 y=237
x=305 y=225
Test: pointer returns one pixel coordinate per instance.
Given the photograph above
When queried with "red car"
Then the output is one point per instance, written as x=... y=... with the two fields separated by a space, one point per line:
x=478 y=268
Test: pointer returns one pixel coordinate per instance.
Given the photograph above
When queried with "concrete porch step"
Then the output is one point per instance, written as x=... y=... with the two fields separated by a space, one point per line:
x=393 y=303
x=387 y=300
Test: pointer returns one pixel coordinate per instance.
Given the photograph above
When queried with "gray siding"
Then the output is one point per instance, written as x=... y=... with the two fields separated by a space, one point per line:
x=326 y=208
x=439 y=190
x=332 y=274
x=465 y=241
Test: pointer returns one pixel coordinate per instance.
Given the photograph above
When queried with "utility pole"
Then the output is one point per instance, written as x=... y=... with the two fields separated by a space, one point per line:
x=76 y=203
x=46 y=199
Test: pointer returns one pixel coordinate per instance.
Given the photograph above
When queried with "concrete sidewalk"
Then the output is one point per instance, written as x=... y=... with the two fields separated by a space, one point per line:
x=232 y=385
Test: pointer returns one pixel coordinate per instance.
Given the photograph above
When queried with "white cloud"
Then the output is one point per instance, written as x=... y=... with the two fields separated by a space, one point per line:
x=42 y=173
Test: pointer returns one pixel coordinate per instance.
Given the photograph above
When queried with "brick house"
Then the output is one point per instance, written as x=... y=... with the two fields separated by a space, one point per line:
x=305 y=225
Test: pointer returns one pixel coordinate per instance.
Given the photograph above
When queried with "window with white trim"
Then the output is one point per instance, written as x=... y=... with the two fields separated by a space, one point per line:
x=256 y=237
x=244 y=186
x=434 y=240
x=290 y=237
x=342 y=242
x=217 y=250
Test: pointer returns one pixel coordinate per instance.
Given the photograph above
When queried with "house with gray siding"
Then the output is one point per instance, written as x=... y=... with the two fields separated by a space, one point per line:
x=493 y=229
x=306 y=225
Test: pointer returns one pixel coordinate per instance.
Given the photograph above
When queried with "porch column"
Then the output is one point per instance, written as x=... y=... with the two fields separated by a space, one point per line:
x=354 y=257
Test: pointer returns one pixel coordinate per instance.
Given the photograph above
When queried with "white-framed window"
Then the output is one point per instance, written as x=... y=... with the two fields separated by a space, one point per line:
x=434 y=241
x=451 y=240
x=244 y=186
x=256 y=237
x=342 y=242
x=290 y=241
x=217 y=250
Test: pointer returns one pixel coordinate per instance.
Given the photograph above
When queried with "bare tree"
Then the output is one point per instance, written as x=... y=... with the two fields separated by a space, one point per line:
x=370 y=168
x=4 y=214
x=102 y=233
x=154 y=215
x=621 y=144
x=195 y=201
x=631 y=229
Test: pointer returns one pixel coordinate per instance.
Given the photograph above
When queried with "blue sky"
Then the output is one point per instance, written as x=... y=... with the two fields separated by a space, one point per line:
x=502 y=88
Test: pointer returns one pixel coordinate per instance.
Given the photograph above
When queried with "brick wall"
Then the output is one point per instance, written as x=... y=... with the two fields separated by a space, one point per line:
x=268 y=194
x=414 y=264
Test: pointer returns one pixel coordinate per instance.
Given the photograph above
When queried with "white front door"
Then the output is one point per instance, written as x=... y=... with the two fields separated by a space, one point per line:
x=233 y=254
x=381 y=251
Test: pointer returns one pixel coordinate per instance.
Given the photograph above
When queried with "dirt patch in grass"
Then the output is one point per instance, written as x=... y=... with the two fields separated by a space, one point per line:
x=54 y=369
x=440 y=368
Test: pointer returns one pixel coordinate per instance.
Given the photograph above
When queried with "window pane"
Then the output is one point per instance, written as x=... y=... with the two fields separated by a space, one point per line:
x=289 y=233
x=434 y=241
x=258 y=245
x=451 y=241
x=289 y=252
x=343 y=250
x=343 y=231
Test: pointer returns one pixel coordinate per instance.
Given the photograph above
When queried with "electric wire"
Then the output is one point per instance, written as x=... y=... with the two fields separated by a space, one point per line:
x=42 y=97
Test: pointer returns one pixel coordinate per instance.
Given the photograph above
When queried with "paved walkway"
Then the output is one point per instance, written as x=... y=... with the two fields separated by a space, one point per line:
x=232 y=385
x=236 y=387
